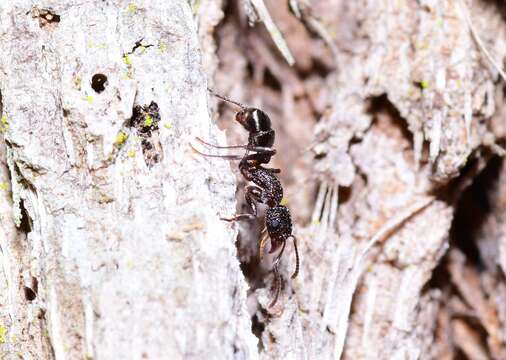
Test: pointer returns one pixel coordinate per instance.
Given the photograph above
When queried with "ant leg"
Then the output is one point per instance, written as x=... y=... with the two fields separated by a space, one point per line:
x=277 y=277
x=277 y=287
x=220 y=147
x=262 y=243
x=262 y=150
x=296 y=272
x=228 y=157
x=253 y=195
x=276 y=261
x=253 y=159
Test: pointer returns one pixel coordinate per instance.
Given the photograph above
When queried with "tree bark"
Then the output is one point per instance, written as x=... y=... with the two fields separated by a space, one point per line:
x=129 y=254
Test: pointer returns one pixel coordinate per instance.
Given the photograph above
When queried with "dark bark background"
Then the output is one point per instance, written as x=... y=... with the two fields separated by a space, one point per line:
x=389 y=119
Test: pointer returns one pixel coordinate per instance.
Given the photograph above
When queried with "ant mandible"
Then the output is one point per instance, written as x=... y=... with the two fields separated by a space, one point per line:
x=267 y=189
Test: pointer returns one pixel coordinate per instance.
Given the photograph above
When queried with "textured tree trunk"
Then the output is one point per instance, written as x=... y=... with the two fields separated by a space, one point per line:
x=389 y=118
x=115 y=249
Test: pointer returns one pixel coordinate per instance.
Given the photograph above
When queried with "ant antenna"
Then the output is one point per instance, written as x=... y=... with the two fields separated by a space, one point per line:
x=226 y=99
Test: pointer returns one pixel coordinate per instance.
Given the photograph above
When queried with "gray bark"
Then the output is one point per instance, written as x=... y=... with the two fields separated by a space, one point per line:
x=131 y=261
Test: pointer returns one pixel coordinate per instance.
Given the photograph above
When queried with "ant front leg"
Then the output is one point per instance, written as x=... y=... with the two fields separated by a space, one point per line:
x=263 y=158
x=253 y=195
x=227 y=157
x=221 y=147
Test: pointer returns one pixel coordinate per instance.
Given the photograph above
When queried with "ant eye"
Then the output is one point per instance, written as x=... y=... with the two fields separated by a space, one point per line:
x=275 y=223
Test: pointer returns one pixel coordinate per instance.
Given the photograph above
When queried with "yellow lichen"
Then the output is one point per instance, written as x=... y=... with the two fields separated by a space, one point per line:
x=132 y=8
x=4 y=186
x=4 y=124
x=131 y=153
x=168 y=126
x=77 y=82
x=162 y=46
x=3 y=333
x=127 y=60
x=196 y=7
x=120 y=138
x=105 y=199
x=424 y=84
x=148 y=121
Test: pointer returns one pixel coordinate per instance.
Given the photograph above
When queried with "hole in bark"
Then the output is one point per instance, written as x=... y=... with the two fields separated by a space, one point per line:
x=26 y=222
x=382 y=105
x=145 y=120
x=29 y=294
x=31 y=291
x=257 y=328
x=472 y=210
x=47 y=17
x=98 y=82
x=271 y=81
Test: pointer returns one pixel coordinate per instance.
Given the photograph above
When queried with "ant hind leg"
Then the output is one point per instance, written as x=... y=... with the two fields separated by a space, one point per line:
x=253 y=195
x=277 y=287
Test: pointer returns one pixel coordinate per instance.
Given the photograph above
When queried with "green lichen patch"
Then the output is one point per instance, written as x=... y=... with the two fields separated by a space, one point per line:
x=3 y=334
x=4 y=124
x=120 y=139
x=162 y=46
x=127 y=60
x=148 y=121
x=132 y=8
x=88 y=99
x=77 y=82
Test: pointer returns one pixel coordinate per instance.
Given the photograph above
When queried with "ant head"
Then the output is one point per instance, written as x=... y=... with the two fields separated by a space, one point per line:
x=245 y=118
x=278 y=223
x=253 y=119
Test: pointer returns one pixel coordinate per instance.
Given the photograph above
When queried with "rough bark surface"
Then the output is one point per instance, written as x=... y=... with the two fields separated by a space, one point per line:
x=390 y=126
x=129 y=254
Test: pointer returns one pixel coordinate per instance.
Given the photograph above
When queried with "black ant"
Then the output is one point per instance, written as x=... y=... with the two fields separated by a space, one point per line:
x=267 y=189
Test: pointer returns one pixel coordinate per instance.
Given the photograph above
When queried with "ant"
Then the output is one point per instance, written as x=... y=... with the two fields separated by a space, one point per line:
x=267 y=189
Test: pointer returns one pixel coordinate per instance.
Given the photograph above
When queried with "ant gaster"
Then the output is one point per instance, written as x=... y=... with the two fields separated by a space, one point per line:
x=267 y=189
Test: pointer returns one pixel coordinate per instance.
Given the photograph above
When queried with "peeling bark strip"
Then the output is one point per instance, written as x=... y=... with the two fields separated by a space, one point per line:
x=113 y=282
